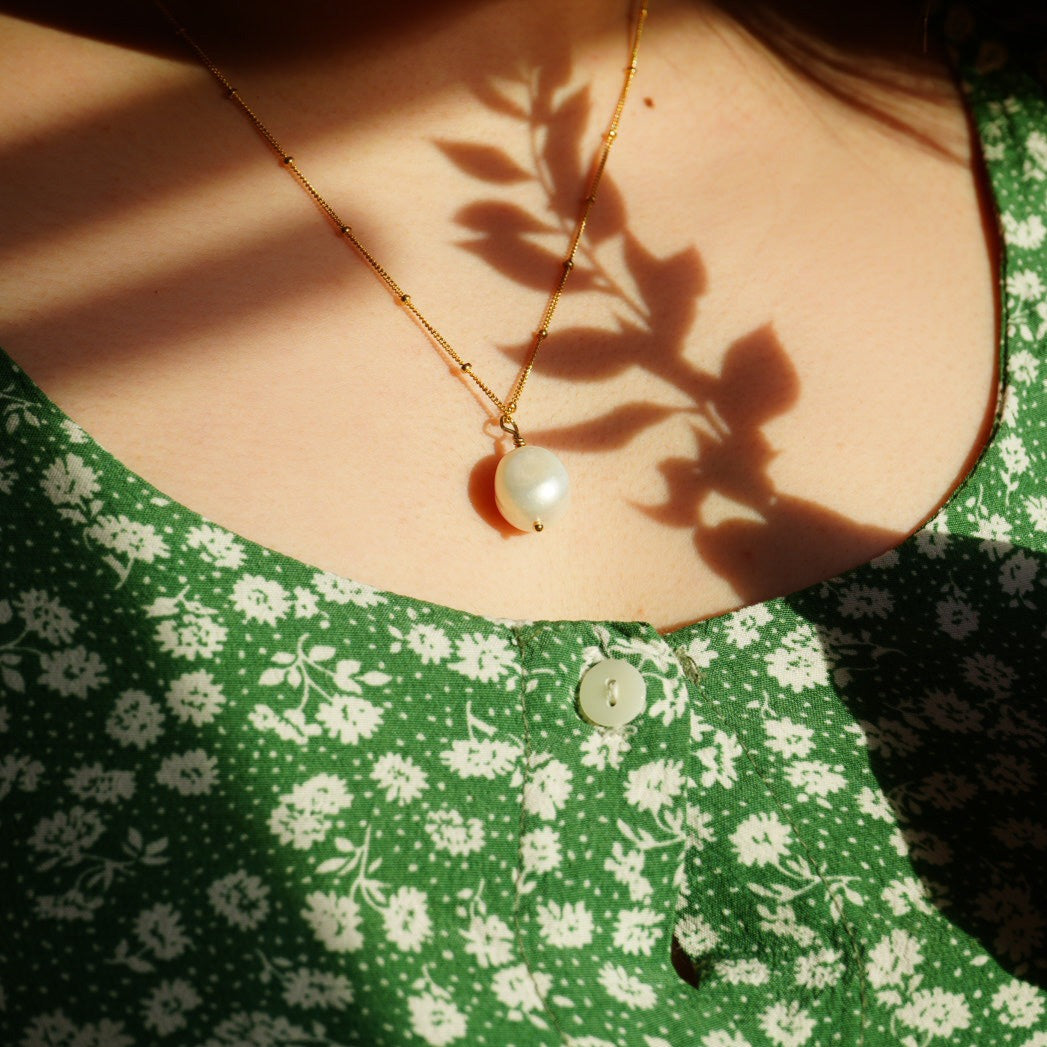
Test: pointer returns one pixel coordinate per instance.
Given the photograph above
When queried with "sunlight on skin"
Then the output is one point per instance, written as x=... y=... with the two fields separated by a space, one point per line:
x=196 y=241
x=718 y=509
x=239 y=167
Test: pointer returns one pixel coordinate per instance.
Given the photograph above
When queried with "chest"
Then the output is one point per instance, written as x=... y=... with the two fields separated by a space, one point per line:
x=754 y=383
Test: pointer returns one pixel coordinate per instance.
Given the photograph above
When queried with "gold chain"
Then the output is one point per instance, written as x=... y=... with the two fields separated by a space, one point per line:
x=508 y=408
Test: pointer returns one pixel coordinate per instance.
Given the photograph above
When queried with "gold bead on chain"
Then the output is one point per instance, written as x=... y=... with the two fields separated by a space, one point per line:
x=531 y=484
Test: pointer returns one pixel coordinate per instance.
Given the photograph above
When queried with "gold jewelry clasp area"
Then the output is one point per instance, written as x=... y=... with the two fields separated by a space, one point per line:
x=508 y=423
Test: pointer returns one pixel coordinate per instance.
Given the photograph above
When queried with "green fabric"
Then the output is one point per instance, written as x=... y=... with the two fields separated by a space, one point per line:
x=245 y=801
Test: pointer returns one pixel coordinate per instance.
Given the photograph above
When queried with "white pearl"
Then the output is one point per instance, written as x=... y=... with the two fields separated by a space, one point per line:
x=531 y=487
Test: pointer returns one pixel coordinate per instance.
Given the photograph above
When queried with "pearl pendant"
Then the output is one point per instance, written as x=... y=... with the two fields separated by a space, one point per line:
x=531 y=488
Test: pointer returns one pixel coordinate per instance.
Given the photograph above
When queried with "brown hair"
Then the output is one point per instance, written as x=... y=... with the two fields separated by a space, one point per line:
x=872 y=56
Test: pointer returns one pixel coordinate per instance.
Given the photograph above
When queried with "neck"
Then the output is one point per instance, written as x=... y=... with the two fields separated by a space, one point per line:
x=309 y=30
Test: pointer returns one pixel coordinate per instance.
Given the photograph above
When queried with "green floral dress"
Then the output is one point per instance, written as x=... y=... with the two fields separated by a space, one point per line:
x=248 y=802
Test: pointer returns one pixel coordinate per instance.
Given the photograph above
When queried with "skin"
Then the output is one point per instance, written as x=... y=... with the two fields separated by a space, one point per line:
x=777 y=359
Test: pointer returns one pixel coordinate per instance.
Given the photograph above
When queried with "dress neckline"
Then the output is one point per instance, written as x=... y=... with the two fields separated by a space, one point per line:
x=965 y=71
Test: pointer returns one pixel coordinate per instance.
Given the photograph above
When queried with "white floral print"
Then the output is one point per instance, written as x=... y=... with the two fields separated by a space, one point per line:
x=195 y=697
x=192 y=774
x=800 y=662
x=761 y=839
x=304 y=816
x=240 y=898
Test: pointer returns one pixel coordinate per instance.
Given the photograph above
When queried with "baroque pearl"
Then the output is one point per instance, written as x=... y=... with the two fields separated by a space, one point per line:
x=531 y=488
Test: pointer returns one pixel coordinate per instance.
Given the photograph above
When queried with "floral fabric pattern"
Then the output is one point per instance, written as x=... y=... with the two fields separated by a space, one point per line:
x=245 y=801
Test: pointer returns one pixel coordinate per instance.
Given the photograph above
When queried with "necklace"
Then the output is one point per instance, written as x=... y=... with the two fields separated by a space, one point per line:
x=531 y=486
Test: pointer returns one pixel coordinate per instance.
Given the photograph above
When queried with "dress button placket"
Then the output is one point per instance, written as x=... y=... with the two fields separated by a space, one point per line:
x=603 y=831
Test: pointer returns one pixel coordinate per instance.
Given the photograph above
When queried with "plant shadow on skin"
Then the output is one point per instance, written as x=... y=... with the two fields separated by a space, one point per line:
x=654 y=311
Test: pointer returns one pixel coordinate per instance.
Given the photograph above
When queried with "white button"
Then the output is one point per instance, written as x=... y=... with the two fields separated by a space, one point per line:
x=612 y=693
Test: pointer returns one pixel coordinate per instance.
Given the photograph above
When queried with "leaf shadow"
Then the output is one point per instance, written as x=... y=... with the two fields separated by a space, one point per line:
x=653 y=305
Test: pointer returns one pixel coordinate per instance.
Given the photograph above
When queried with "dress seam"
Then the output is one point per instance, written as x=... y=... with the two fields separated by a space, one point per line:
x=693 y=675
x=525 y=766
